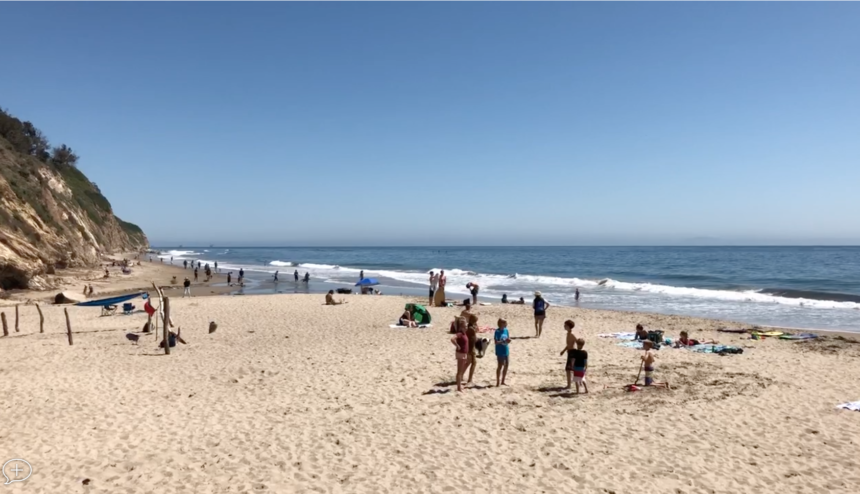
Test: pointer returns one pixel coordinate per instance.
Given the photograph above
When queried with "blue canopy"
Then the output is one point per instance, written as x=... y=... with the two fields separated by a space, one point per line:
x=109 y=301
x=367 y=282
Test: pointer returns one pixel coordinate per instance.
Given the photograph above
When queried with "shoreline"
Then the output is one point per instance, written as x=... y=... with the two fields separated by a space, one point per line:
x=162 y=272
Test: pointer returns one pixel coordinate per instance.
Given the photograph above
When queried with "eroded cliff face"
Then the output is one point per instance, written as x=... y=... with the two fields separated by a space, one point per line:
x=51 y=218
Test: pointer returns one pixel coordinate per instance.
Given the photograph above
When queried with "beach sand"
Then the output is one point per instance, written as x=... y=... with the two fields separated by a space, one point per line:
x=289 y=395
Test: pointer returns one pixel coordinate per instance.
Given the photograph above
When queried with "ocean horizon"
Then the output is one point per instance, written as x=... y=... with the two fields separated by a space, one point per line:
x=810 y=287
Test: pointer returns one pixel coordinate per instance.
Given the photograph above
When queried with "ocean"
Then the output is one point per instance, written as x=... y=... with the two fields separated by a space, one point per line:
x=797 y=287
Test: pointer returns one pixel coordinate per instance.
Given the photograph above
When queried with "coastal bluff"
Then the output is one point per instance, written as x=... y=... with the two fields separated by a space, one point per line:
x=52 y=217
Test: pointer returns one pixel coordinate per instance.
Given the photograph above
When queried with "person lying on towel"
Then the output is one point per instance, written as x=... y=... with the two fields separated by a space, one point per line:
x=685 y=340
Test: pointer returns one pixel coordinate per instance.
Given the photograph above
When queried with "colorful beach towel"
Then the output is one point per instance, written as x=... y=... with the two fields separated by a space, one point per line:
x=719 y=349
x=619 y=336
x=756 y=335
x=632 y=344
x=485 y=329
x=854 y=406
x=799 y=336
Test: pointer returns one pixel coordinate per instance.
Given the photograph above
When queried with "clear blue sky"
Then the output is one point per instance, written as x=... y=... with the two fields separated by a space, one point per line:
x=452 y=124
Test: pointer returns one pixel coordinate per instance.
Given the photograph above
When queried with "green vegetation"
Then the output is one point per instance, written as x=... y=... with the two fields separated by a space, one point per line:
x=24 y=150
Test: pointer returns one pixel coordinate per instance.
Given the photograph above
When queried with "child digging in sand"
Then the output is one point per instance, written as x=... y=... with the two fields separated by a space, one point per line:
x=503 y=351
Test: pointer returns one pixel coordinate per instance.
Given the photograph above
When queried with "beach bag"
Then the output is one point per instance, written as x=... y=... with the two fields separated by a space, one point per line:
x=655 y=336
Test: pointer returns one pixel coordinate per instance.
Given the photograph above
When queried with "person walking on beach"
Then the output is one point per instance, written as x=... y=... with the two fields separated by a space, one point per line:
x=433 y=281
x=540 y=306
x=473 y=289
x=276 y=276
x=461 y=343
x=503 y=351
x=185 y=264
x=472 y=336
x=576 y=295
x=229 y=277
x=216 y=266
x=307 y=277
x=361 y=275
x=440 y=292
x=241 y=275
x=195 y=274
x=187 y=285
x=296 y=275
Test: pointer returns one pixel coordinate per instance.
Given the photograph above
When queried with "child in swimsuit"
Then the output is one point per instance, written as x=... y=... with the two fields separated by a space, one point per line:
x=648 y=364
x=461 y=342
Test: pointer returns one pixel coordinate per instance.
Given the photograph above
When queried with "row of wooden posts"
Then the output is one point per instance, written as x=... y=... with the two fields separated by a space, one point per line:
x=165 y=315
x=6 y=327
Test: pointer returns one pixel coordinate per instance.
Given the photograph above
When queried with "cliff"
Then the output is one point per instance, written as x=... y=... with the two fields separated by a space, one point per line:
x=51 y=216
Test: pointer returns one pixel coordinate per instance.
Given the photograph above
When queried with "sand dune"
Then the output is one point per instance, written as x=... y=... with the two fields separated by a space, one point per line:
x=292 y=396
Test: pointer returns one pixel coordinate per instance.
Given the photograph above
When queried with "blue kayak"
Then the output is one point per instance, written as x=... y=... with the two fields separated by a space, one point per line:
x=109 y=301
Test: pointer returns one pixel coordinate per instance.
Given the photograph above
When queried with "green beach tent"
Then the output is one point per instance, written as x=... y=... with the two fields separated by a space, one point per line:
x=419 y=312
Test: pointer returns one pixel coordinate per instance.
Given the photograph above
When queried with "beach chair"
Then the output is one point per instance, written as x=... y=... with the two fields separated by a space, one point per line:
x=108 y=310
x=127 y=308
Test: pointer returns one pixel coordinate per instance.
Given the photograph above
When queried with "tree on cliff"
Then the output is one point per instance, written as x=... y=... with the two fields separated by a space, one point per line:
x=64 y=156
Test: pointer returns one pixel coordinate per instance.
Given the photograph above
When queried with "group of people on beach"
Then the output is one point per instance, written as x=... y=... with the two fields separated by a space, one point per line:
x=468 y=348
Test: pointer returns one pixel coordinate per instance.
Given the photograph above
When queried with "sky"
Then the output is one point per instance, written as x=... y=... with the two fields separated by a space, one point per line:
x=452 y=123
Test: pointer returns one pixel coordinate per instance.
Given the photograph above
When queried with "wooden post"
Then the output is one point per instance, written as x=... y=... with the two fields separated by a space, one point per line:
x=68 y=325
x=5 y=329
x=16 y=319
x=41 y=319
x=166 y=325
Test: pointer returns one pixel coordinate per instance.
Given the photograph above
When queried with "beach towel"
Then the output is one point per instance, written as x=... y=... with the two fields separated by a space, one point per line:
x=756 y=335
x=618 y=336
x=420 y=326
x=799 y=336
x=631 y=344
x=854 y=406
x=485 y=329
x=719 y=349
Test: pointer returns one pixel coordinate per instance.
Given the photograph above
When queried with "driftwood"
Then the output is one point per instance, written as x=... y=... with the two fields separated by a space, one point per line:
x=166 y=324
x=41 y=319
x=68 y=325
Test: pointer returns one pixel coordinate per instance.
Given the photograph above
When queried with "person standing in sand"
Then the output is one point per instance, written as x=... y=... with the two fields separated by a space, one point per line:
x=461 y=342
x=229 y=277
x=472 y=336
x=185 y=264
x=434 y=280
x=440 y=292
x=503 y=351
x=473 y=289
x=195 y=274
x=648 y=365
x=187 y=285
x=540 y=306
x=569 y=346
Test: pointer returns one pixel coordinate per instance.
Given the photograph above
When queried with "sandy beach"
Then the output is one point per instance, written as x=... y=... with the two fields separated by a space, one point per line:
x=289 y=395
